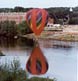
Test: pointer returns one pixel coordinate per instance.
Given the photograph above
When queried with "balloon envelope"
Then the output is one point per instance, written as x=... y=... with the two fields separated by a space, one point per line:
x=37 y=20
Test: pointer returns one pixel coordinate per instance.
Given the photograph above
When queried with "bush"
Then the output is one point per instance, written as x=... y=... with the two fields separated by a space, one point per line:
x=23 y=28
x=73 y=20
x=40 y=79
x=12 y=72
x=8 y=28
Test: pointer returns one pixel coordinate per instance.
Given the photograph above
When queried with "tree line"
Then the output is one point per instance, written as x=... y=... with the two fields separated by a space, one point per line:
x=22 y=9
x=58 y=13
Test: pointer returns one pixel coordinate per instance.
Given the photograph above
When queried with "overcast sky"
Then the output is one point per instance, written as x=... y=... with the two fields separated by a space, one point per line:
x=38 y=3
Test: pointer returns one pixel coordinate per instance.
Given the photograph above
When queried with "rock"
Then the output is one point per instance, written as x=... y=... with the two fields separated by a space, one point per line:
x=1 y=54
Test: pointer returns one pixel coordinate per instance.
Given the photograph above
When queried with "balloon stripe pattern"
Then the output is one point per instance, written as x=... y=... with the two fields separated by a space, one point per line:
x=37 y=20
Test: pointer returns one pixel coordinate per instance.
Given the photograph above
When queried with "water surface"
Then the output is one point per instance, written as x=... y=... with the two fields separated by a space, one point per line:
x=62 y=61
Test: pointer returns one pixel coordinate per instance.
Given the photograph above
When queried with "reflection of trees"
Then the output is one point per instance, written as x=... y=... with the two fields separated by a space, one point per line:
x=12 y=43
x=7 y=42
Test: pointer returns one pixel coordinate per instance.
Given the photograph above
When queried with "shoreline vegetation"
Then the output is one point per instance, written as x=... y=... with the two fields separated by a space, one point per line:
x=10 y=30
x=59 y=14
x=12 y=71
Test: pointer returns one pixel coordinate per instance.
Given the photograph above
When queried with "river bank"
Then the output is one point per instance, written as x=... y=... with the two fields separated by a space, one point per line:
x=69 y=33
x=61 y=36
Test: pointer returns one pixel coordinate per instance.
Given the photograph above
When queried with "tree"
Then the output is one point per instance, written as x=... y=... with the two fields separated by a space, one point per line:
x=19 y=9
x=8 y=28
x=23 y=28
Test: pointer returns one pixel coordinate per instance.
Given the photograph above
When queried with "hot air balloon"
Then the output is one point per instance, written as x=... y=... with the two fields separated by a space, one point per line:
x=37 y=20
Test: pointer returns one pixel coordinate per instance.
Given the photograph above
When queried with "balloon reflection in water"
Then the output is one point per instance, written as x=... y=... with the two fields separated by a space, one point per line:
x=37 y=20
x=37 y=63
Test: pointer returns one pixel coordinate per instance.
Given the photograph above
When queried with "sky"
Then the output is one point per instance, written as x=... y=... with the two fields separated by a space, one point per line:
x=38 y=3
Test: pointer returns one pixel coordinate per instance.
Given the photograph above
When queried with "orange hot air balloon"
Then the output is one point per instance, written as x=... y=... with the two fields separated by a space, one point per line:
x=37 y=20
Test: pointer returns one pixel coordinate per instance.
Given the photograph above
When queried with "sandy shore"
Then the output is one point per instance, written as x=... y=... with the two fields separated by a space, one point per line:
x=73 y=29
x=69 y=33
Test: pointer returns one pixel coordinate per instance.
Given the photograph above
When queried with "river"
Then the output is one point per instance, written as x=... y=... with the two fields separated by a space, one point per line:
x=62 y=60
